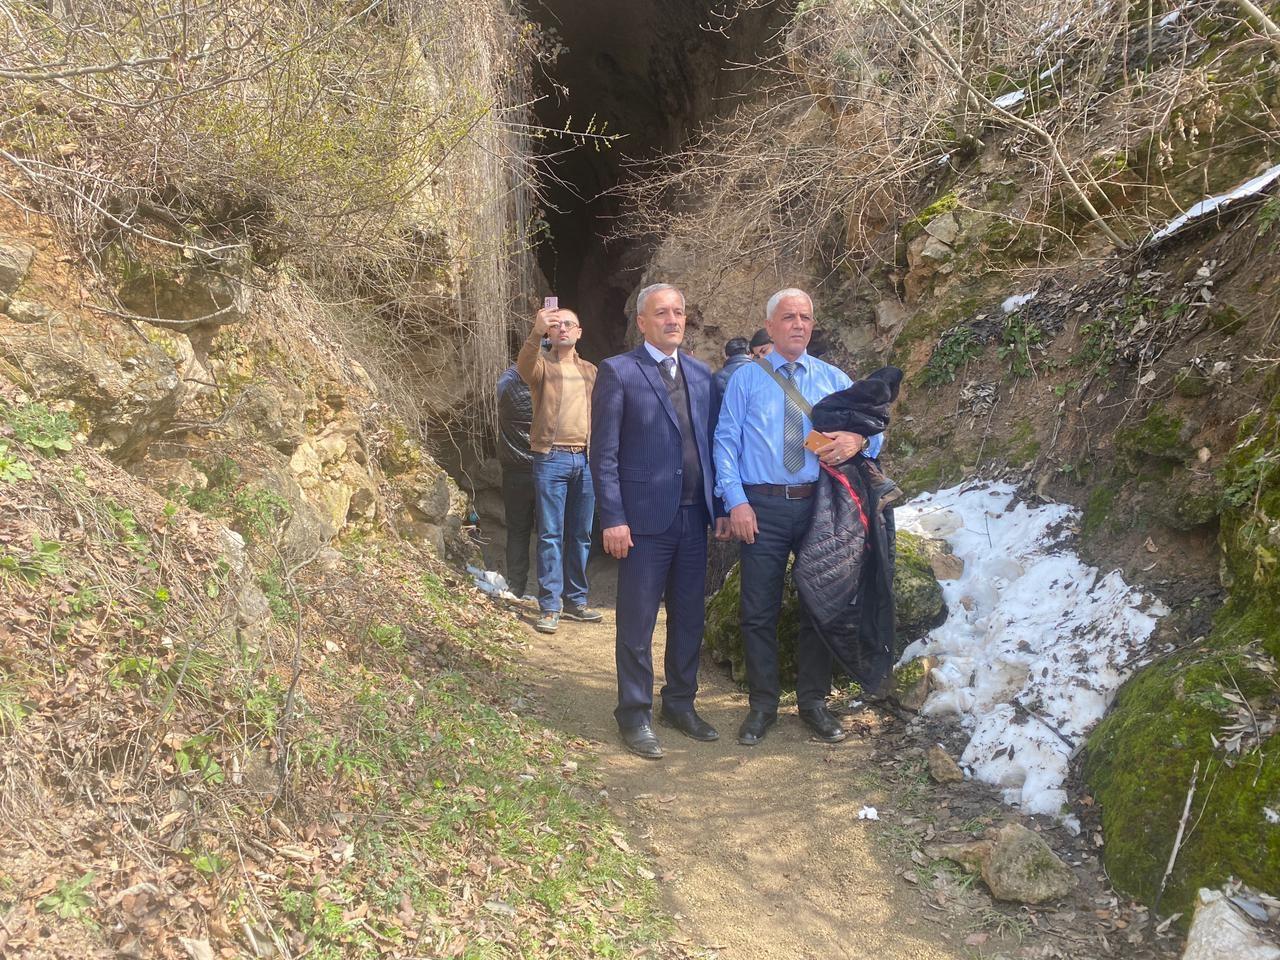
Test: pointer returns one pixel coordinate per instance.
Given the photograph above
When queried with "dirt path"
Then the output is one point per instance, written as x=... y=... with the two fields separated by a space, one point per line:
x=759 y=850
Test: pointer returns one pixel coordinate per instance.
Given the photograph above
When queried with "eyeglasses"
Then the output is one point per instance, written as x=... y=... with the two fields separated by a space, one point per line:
x=564 y=324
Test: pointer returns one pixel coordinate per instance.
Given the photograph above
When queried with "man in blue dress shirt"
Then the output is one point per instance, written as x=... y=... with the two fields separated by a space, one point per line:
x=766 y=478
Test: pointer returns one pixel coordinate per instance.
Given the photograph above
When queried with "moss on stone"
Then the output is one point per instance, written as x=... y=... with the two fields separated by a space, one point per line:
x=1226 y=320
x=1191 y=382
x=1097 y=509
x=1140 y=759
x=1158 y=435
x=930 y=476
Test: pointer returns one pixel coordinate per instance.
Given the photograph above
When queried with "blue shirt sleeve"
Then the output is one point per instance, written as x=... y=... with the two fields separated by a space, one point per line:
x=728 y=442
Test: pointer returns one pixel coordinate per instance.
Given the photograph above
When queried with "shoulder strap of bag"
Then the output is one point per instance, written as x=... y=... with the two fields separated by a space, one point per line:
x=788 y=387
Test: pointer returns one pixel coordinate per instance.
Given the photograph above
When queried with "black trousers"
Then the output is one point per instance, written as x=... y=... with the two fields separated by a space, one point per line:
x=782 y=523
x=521 y=516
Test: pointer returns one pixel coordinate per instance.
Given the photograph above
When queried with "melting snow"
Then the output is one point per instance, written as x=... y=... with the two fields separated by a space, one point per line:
x=1207 y=206
x=1017 y=301
x=868 y=813
x=1035 y=643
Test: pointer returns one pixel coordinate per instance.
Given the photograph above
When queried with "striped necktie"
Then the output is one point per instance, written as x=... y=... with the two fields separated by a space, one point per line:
x=792 y=428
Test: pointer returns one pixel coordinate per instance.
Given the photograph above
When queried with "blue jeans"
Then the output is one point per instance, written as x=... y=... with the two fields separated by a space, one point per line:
x=566 y=503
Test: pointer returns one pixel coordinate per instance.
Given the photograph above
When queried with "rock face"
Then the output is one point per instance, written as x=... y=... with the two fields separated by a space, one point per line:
x=15 y=261
x=1219 y=931
x=1015 y=864
x=130 y=392
x=917 y=596
x=1140 y=760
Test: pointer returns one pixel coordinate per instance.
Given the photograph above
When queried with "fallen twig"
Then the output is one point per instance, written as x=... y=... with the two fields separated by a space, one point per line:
x=1177 y=840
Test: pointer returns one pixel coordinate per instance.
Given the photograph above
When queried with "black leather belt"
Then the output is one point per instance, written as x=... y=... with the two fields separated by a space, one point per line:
x=792 y=491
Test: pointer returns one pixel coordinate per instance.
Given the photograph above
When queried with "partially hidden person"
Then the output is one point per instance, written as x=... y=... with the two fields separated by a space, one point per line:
x=761 y=344
x=767 y=478
x=737 y=354
x=652 y=424
x=560 y=382
x=515 y=420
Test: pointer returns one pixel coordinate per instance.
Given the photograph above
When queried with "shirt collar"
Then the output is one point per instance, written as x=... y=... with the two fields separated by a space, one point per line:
x=777 y=360
x=659 y=356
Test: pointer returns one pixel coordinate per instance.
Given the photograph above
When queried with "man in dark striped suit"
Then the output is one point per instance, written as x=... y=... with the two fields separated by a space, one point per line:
x=652 y=424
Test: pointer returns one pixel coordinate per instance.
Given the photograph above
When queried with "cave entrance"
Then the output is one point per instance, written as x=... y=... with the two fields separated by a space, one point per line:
x=651 y=73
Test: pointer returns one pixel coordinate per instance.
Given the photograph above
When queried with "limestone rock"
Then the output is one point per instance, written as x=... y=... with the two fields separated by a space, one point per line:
x=1219 y=930
x=946 y=566
x=944 y=228
x=276 y=412
x=1023 y=869
x=942 y=767
x=15 y=261
x=253 y=611
x=129 y=396
x=971 y=856
x=1015 y=863
x=187 y=298
x=917 y=595
x=24 y=311
x=891 y=315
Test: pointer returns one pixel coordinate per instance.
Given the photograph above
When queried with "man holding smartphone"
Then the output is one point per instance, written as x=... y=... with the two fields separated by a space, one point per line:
x=561 y=383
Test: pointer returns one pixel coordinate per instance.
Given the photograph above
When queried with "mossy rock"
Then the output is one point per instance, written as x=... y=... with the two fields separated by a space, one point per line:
x=1192 y=382
x=917 y=596
x=1159 y=435
x=1140 y=760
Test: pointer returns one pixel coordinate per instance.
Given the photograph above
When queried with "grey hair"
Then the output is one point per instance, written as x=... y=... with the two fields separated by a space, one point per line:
x=781 y=295
x=643 y=295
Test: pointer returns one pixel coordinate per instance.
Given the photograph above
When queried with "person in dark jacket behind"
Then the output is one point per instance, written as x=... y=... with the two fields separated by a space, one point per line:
x=515 y=418
x=737 y=354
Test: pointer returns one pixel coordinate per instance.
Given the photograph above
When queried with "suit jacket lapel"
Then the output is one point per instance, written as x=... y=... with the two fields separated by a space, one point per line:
x=650 y=369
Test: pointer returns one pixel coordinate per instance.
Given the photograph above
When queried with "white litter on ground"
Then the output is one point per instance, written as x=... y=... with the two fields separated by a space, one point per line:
x=1035 y=643
x=1209 y=205
x=1273 y=816
x=868 y=813
x=1010 y=99
x=494 y=584
x=1017 y=301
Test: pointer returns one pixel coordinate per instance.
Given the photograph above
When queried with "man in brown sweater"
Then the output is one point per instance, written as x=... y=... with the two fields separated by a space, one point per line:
x=561 y=384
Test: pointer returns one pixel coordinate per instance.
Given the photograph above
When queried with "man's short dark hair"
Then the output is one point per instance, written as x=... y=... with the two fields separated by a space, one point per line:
x=818 y=343
x=760 y=338
x=736 y=347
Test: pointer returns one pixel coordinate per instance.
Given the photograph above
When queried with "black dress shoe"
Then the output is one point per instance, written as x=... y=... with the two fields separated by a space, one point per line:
x=753 y=728
x=690 y=724
x=823 y=724
x=642 y=742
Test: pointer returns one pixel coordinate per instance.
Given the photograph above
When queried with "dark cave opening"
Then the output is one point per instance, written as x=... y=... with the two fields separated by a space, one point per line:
x=651 y=73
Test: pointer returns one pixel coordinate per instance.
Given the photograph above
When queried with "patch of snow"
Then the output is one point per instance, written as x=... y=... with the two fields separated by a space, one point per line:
x=1170 y=18
x=1007 y=100
x=1210 y=204
x=1035 y=643
x=1051 y=71
x=494 y=584
x=1273 y=816
x=1017 y=301
x=868 y=813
